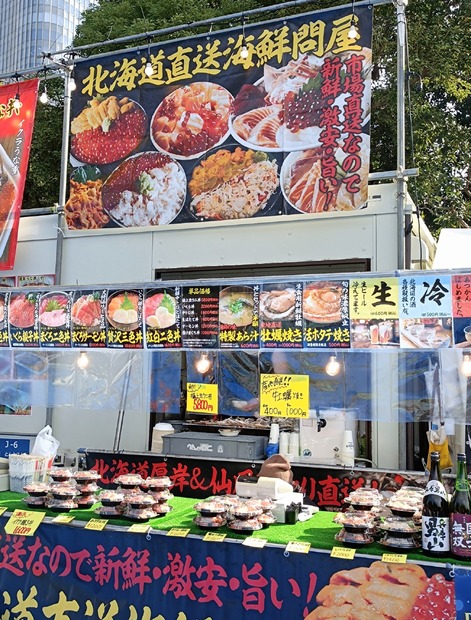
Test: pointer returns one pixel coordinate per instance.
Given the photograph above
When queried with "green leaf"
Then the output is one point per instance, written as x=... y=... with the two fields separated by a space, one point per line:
x=167 y=302
x=127 y=303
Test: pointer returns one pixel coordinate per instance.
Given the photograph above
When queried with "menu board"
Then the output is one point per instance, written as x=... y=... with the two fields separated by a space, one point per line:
x=4 y=341
x=325 y=314
x=162 y=318
x=124 y=319
x=88 y=318
x=239 y=317
x=285 y=396
x=362 y=312
x=200 y=317
x=23 y=319
x=281 y=315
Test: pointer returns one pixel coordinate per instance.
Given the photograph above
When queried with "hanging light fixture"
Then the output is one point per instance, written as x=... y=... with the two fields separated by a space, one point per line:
x=353 y=32
x=17 y=101
x=71 y=84
x=148 y=70
x=43 y=98
x=83 y=360
x=466 y=365
x=244 y=50
x=332 y=367
x=203 y=363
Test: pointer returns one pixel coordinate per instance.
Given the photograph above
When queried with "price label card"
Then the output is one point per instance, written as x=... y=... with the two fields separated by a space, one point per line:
x=342 y=552
x=394 y=558
x=284 y=396
x=214 y=537
x=3 y=509
x=24 y=522
x=63 y=519
x=258 y=543
x=96 y=524
x=202 y=398
x=298 y=547
x=179 y=531
x=140 y=528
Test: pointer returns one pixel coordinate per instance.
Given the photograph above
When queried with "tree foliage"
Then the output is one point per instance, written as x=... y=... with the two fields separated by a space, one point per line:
x=438 y=89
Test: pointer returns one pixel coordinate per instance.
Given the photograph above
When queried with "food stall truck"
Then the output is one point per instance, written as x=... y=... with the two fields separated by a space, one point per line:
x=269 y=314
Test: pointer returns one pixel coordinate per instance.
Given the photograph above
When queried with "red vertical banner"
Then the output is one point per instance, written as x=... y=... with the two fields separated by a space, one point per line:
x=17 y=109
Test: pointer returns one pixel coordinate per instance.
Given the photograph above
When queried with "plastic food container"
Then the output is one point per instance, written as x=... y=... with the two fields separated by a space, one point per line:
x=84 y=477
x=59 y=474
x=138 y=514
x=156 y=484
x=245 y=526
x=89 y=487
x=210 y=508
x=210 y=523
x=139 y=500
x=111 y=498
x=359 y=537
x=36 y=489
x=35 y=501
x=61 y=505
x=86 y=501
x=161 y=509
x=129 y=480
x=109 y=512
x=161 y=496
x=395 y=541
x=61 y=491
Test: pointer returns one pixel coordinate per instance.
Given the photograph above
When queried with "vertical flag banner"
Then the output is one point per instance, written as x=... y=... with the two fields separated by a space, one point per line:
x=17 y=110
x=272 y=120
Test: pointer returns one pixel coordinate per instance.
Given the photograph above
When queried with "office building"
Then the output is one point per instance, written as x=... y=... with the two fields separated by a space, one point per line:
x=30 y=27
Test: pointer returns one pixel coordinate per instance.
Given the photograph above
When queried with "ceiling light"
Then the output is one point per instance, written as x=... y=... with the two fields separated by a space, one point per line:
x=332 y=367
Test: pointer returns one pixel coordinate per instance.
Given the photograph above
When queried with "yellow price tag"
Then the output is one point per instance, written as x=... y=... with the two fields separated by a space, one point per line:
x=140 y=528
x=343 y=553
x=214 y=537
x=284 y=396
x=63 y=519
x=2 y=510
x=394 y=558
x=258 y=543
x=96 y=524
x=178 y=531
x=24 y=522
x=298 y=547
x=202 y=398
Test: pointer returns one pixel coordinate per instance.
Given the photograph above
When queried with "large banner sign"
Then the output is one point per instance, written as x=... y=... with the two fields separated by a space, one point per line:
x=420 y=311
x=17 y=110
x=266 y=120
x=115 y=575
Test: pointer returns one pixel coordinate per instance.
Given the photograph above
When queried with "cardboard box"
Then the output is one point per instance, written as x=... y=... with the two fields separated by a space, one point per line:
x=210 y=445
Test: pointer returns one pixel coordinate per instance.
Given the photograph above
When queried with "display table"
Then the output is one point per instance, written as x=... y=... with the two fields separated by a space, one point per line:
x=121 y=575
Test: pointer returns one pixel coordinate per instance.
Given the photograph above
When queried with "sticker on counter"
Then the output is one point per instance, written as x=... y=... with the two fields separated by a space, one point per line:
x=179 y=532
x=24 y=522
x=295 y=546
x=343 y=553
x=96 y=524
x=63 y=519
x=394 y=558
x=214 y=537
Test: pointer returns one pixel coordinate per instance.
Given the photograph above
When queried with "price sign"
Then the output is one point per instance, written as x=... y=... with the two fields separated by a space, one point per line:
x=258 y=543
x=2 y=510
x=284 y=396
x=342 y=553
x=24 y=522
x=214 y=537
x=202 y=398
x=63 y=519
x=96 y=524
x=298 y=547
x=394 y=558
x=179 y=532
x=139 y=528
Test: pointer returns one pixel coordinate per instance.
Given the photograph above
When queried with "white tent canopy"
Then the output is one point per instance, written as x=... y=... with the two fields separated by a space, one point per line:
x=453 y=249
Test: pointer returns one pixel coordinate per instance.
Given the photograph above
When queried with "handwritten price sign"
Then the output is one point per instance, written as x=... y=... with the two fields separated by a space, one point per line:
x=23 y=522
x=202 y=398
x=284 y=396
x=343 y=553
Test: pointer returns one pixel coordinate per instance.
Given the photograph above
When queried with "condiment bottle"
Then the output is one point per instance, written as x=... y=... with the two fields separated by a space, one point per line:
x=460 y=513
x=435 y=513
